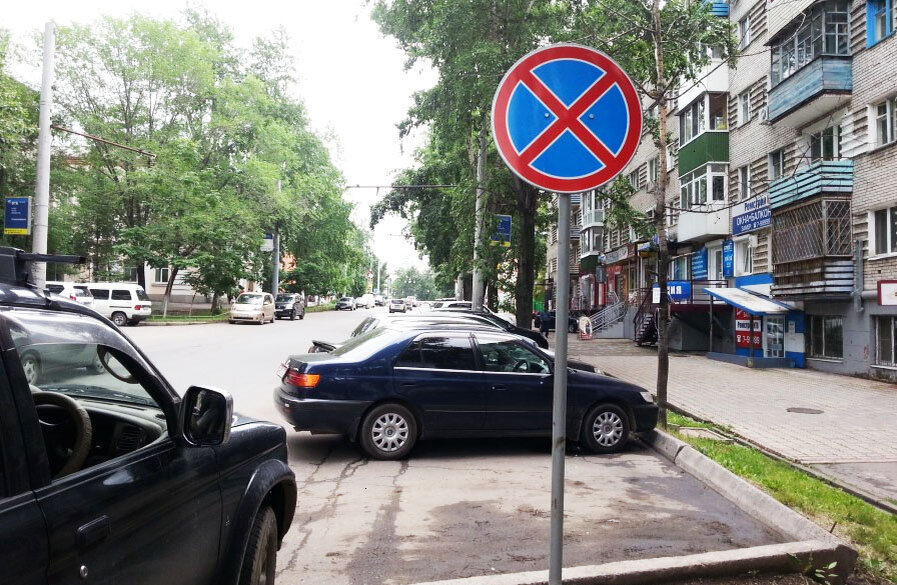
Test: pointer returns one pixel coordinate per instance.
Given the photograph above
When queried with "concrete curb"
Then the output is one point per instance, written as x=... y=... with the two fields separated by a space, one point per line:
x=789 y=557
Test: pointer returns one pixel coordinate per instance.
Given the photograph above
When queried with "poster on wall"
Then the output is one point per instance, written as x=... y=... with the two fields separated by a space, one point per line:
x=728 y=259
x=699 y=264
x=743 y=330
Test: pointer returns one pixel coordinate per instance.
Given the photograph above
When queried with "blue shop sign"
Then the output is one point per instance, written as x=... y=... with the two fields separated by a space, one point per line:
x=728 y=259
x=699 y=264
x=677 y=290
x=751 y=215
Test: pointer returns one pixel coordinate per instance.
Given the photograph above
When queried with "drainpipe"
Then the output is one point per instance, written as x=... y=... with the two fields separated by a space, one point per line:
x=858 y=293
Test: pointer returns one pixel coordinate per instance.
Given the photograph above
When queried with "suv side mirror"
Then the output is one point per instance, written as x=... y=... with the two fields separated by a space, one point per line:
x=206 y=415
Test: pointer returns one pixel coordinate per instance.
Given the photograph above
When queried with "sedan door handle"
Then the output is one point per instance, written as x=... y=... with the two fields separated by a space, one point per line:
x=93 y=532
x=500 y=387
x=408 y=385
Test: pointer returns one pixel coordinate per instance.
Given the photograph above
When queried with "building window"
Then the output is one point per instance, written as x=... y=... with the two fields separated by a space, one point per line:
x=826 y=336
x=716 y=263
x=679 y=268
x=633 y=179
x=878 y=21
x=884 y=230
x=717 y=110
x=825 y=144
x=744 y=32
x=161 y=275
x=693 y=189
x=886 y=336
x=652 y=170
x=691 y=121
x=776 y=164
x=886 y=121
x=744 y=182
x=824 y=30
x=744 y=257
x=744 y=107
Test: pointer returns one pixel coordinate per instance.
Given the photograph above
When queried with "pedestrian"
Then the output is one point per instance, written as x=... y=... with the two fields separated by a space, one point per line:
x=544 y=318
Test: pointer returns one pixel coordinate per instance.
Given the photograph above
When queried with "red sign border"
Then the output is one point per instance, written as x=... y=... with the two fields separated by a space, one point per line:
x=550 y=53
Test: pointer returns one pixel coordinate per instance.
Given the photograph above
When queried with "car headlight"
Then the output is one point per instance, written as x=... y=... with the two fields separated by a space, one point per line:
x=647 y=396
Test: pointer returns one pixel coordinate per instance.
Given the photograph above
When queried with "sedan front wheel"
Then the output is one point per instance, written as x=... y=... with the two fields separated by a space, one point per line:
x=389 y=432
x=605 y=429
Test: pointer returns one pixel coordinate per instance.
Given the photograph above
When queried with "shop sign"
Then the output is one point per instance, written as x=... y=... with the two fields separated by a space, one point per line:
x=621 y=253
x=600 y=273
x=743 y=330
x=751 y=215
x=728 y=259
x=677 y=291
x=699 y=264
x=887 y=292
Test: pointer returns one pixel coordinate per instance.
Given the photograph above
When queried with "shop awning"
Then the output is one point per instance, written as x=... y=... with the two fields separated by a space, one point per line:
x=747 y=301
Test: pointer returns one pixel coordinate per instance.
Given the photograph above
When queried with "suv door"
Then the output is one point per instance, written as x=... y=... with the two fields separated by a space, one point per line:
x=438 y=373
x=22 y=528
x=134 y=513
x=519 y=385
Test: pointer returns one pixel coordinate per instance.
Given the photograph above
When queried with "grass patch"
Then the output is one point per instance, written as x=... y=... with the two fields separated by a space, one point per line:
x=188 y=318
x=319 y=308
x=872 y=531
x=677 y=420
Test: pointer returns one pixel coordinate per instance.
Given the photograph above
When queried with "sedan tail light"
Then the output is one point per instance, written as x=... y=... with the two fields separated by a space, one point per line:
x=301 y=380
x=137 y=307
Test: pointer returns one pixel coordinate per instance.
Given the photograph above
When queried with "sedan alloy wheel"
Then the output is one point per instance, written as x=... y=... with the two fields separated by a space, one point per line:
x=389 y=432
x=606 y=429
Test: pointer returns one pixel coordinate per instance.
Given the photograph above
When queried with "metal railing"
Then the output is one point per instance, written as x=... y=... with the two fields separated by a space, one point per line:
x=609 y=315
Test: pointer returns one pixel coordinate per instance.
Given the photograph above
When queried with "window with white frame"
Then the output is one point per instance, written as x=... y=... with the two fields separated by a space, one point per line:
x=652 y=170
x=744 y=31
x=744 y=257
x=825 y=144
x=703 y=185
x=744 y=107
x=776 y=164
x=824 y=30
x=718 y=176
x=886 y=341
x=883 y=231
x=161 y=275
x=885 y=121
x=691 y=121
x=715 y=270
x=744 y=182
x=679 y=267
x=633 y=179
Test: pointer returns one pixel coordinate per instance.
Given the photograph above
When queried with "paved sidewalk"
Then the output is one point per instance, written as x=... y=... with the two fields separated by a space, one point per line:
x=854 y=438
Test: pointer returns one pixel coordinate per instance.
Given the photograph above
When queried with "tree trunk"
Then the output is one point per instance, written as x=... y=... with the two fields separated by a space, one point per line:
x=168 y=286
x=527 y=201
x=660 y=190
x=215 y=303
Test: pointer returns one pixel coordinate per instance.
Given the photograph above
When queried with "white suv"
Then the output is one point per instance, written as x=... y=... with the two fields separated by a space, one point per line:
x=122 y=302
x=70 y=291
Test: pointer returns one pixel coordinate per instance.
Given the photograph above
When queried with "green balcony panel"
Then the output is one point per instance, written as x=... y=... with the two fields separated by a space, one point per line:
x=707 y=147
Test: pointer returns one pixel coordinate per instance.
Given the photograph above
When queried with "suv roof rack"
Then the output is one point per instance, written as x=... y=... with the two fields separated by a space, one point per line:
x=15 y=264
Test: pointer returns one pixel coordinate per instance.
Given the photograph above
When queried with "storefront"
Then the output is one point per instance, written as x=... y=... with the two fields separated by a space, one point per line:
x=620 y=269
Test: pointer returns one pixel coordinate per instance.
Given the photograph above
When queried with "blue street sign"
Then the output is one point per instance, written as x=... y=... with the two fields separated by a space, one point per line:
x=728 y=259
x=502 y=235
x=17 y=219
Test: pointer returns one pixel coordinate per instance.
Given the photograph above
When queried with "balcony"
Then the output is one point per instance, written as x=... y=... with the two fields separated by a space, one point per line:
x=834 y=176
x=813 y=91
x=710 y=146
x=592 y=218
x=699 y=226
x=718 y=7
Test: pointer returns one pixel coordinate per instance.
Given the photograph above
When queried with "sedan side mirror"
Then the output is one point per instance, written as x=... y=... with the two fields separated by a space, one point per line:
x=206 y=415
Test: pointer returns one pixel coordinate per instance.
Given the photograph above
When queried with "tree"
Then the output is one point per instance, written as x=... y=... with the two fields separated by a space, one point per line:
x=663 y=48
x=411 y=282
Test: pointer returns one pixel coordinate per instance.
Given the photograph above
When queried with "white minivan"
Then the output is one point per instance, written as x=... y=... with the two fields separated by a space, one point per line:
x=122 y=302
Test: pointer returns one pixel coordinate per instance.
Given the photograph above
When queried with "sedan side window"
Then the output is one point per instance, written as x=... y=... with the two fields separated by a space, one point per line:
x=504 y=355
x=439 y=353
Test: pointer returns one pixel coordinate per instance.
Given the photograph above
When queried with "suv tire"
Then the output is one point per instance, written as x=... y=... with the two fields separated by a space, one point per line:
x=260 y=560
x=119 y=318
x=389 y=432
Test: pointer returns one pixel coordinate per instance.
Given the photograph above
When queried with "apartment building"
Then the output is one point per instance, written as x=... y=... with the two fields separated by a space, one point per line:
x=785 y=188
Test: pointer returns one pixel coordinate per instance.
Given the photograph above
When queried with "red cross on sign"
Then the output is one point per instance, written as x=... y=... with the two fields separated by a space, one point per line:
x=566 y=118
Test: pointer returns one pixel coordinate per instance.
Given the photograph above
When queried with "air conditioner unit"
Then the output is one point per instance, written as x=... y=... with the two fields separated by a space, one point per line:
x=764 y=115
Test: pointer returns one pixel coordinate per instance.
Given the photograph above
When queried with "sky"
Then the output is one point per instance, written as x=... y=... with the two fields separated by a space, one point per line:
x=351 y=78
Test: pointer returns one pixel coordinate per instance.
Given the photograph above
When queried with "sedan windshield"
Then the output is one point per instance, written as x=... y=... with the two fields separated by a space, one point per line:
x=345 y=299
x=249 y=299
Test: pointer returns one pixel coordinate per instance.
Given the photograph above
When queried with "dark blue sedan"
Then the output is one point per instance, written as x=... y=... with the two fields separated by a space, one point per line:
x=391 y=386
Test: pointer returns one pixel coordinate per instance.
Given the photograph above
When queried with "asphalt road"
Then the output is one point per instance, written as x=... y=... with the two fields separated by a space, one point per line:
x=455 y=508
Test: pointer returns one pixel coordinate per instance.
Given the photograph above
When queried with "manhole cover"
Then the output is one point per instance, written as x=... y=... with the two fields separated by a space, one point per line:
x=800 y=410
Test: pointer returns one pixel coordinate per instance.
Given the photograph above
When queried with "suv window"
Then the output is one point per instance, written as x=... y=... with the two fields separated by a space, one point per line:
x=55 y=288
x=505 y=355
x=439 y=353
x=100 y=293
x=121 y=295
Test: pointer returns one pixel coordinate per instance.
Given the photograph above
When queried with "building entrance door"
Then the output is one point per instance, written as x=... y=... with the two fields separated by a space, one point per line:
x=774 y=337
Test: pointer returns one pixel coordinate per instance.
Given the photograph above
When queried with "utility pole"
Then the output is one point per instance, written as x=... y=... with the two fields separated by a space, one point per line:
x=42 y=187
x=476 y=296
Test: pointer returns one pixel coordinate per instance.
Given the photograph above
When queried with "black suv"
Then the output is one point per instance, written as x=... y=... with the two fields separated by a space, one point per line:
x=289 y=305
x=107 y=475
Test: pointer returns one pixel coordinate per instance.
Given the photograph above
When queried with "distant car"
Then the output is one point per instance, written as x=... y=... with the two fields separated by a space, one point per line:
x=124 y=303
x=253 y=307
x=347 y=303
x=397 y=306
x=389 y=387
x=71 y=292
x=572 y=322
x=289 y=305
x=411 y=302
x=366 y=301
x=486 y=315
x=379 y=301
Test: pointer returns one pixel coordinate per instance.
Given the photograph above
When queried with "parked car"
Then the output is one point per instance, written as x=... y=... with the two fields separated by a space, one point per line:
x=253 y=307
x=572 y=321
x=347 y=303
x=379 y=301
x=124 y=303
x=411 y=302
x=110 y=475
x=486 y=315
x=366 y=301
x=390 y=387
x=397 y=306
x=289 y=305
x=71 y=292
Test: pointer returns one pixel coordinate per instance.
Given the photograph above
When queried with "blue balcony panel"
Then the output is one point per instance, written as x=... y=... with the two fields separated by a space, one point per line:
x=718 y=8
x=820 y=177
x=812 y=91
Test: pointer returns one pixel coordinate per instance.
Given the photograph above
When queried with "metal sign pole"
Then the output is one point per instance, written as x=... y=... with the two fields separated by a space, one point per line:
x=559 y=411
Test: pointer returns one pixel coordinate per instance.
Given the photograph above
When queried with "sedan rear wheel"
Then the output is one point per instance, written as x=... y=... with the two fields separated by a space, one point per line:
x=389 y=432
x=606 y=429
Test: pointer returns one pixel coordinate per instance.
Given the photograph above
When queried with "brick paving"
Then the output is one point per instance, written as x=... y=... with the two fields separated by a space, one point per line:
x=857 y=424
